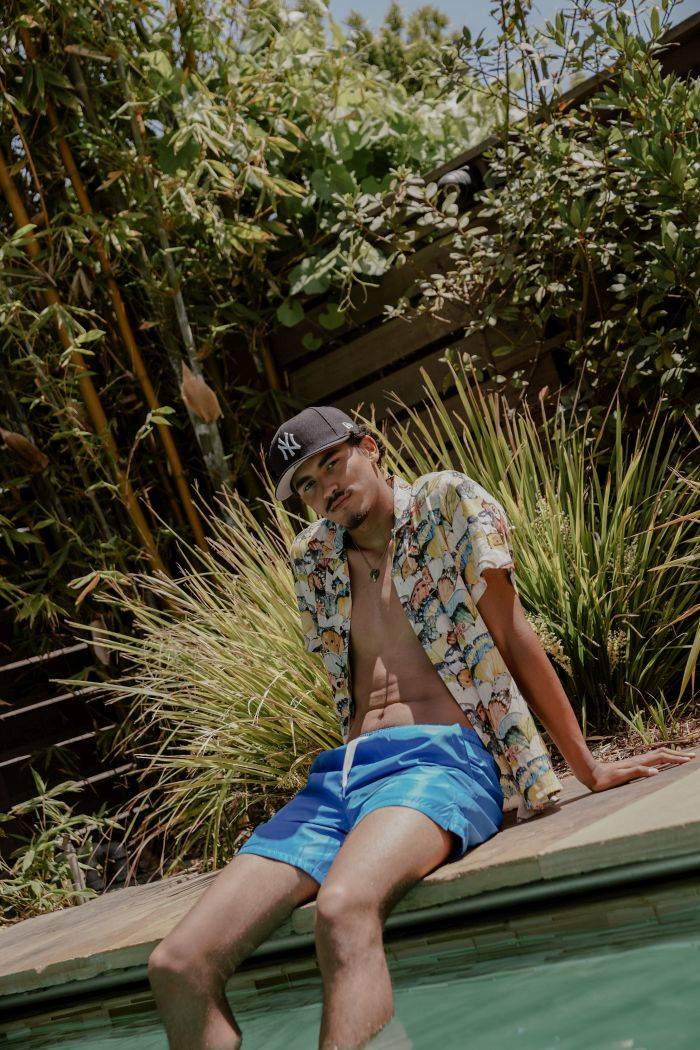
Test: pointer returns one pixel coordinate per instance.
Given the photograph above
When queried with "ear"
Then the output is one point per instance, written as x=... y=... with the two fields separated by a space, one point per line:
x=368 y=446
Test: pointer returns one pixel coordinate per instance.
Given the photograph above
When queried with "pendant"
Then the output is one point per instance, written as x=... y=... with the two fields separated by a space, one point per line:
x=374 y=573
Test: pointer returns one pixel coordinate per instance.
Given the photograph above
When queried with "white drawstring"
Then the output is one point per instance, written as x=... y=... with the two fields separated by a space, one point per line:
x=349 y=752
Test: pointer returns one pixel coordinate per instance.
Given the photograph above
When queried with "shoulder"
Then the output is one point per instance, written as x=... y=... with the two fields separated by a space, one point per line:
x=305 y=546
x=446 y=484
x=455 y=495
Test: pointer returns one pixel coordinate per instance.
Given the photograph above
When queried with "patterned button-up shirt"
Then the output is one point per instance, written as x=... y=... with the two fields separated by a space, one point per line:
x=447 y=530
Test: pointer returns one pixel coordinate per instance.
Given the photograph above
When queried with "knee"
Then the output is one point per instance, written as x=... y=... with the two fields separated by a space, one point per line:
x=171 y=966
x=342 y=906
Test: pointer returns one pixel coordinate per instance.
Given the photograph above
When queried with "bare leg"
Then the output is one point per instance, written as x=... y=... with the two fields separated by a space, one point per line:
x=390 y=850
x=188 y=970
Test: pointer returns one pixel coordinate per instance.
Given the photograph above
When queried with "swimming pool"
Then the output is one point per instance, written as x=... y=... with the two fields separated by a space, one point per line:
x=609 y=972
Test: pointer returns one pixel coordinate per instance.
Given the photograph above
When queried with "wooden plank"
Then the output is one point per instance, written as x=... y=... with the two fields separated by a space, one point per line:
x=393 y=342
x=42 y=657
x=25 y=708
x=366 y=356
x=545 y=374
x=407 y=382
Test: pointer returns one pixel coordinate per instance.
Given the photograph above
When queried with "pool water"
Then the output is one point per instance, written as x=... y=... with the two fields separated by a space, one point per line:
x=631 y=986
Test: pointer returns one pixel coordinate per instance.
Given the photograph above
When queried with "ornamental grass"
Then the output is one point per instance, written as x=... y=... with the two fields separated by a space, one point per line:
x=227 y=707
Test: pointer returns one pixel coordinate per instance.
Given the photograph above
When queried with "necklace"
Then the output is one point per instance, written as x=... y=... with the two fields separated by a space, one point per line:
x=374 y=573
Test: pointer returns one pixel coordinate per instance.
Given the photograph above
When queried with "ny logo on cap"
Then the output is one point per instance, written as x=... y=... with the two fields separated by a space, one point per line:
x=348 y=425
x=288 y=444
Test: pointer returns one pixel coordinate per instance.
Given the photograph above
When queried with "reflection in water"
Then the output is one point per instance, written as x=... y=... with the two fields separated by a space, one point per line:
x=569 y=994
x=393 y=1036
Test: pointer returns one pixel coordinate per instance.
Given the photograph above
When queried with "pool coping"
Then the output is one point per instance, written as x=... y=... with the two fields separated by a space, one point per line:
x=647 y=829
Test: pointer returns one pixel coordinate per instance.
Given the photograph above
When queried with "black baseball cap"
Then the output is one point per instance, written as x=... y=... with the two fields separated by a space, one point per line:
x=301 y=437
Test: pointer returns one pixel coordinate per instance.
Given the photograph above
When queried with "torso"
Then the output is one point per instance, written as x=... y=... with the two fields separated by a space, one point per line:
x=393 y=681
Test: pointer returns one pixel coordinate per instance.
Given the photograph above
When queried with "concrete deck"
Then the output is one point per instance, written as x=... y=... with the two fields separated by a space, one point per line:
x=648 y=820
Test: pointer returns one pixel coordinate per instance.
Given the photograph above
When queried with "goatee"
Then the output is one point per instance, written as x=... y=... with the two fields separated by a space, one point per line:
x=356 y=520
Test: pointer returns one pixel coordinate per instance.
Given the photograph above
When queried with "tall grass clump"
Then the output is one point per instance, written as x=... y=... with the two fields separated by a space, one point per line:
x=227 y=708
x=604 y=535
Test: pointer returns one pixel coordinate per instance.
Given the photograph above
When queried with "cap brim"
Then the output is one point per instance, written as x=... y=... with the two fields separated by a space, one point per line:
x=283 y=489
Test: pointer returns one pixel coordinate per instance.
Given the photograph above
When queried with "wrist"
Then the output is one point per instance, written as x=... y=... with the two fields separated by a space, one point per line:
x=586 y=771
x=581 y=762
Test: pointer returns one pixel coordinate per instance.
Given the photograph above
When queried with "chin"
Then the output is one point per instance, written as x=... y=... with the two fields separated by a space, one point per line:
x=355 y=519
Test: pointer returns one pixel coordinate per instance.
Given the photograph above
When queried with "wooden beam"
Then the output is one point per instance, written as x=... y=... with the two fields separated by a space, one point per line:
x=379 y=347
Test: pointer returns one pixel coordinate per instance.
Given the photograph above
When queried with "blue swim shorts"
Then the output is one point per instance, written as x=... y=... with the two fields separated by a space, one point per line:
x=442 y=770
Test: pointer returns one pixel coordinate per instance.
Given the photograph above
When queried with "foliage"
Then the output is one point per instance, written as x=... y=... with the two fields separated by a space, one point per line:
x=408 y=49
x=39 y=878
x=588 y=225
x=215 y=153
x=227 y=707
x=231 y=709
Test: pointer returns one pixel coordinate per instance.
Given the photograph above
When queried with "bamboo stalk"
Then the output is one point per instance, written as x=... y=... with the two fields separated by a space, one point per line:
x=207 y=434
x=87 y=387
x=269 y=365
x=262 y=354
x=74 y=445
x=122 y=320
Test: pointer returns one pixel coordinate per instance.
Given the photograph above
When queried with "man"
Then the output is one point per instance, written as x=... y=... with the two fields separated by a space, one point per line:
x=407 y=592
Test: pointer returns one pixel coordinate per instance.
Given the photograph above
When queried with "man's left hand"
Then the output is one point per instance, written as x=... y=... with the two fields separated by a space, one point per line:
x=606 y=775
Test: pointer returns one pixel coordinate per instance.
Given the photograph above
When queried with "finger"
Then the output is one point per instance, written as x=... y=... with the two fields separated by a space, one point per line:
x=664 y=754
x=648 y=760
x=672 y=759
x=672 y=752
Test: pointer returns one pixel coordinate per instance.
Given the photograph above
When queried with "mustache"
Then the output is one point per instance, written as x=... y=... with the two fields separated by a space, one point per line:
x=337 y=499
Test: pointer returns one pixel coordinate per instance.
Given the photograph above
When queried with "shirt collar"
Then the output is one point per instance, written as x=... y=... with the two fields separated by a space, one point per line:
x=334 y=538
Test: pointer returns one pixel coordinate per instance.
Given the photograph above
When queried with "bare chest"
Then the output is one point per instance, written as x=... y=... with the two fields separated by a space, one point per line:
x=378 y=621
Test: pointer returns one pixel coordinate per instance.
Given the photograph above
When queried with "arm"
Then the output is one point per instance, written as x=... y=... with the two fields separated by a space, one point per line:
x=522 y=652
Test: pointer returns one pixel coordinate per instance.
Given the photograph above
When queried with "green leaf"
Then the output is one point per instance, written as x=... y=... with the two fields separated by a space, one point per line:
x=89 y=337
x=321 y=184
x=678 y=170
x=173 y=161
x=311 y=341
x=312 y=275
x=341 y=180
x=290 y=313
x=159 y=61
x=332 y=318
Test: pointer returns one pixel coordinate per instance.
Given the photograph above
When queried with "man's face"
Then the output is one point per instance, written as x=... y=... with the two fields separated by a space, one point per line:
x=340 y=483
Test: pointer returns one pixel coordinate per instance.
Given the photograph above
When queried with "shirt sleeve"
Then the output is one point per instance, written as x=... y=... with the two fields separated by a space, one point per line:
x=306 y=607
x=479 y=536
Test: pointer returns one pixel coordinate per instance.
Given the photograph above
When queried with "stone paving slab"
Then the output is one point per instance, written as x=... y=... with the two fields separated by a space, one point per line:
x=654 y=817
